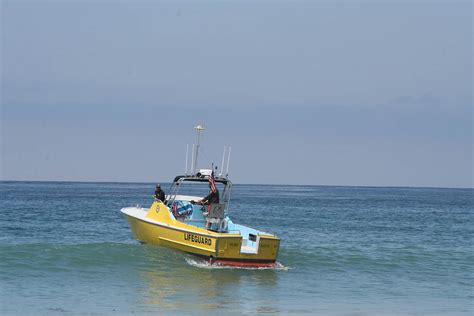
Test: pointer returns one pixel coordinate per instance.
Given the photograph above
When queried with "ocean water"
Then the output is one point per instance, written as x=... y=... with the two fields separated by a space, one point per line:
x=65 y=249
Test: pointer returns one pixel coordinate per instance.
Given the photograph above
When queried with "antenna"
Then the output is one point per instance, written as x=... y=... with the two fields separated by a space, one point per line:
x=228 y=159
x=223 y=158
x=198 y=129
x=192 y=160
x=186 y=167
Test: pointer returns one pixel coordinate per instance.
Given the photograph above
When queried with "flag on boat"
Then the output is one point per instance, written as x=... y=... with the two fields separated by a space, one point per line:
x=212 y=182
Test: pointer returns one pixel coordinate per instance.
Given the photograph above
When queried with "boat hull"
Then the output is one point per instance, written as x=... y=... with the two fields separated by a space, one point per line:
x=157 y=227
x=155 y=234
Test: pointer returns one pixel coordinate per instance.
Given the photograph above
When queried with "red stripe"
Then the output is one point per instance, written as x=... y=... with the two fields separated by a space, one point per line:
x=243 y=264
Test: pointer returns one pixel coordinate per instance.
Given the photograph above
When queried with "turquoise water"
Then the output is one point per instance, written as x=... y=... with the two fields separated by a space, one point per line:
x=66 y=249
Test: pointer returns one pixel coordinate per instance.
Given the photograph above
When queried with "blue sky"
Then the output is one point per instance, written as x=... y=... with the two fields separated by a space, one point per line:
x=321 y=92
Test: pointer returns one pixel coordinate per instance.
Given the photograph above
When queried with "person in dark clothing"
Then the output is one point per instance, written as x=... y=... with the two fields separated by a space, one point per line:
x=159 y=194
x=212 y=197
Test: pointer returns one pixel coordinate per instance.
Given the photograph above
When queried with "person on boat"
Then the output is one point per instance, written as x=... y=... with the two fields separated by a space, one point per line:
x=159 y=194
x=213 y=196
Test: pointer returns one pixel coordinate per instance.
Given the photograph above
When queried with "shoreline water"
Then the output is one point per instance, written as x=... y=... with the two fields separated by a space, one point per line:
x=66 y=249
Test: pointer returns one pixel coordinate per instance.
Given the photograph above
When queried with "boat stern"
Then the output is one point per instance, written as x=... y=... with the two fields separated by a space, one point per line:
x=233 y=251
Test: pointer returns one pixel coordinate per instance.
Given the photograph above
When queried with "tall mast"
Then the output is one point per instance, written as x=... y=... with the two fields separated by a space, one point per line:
x=198 y=129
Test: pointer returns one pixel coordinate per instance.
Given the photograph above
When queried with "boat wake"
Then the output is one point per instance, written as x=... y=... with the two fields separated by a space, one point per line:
x=204 y=264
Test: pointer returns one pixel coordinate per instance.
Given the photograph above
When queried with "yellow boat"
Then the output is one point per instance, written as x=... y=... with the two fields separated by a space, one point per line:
x=202 y=230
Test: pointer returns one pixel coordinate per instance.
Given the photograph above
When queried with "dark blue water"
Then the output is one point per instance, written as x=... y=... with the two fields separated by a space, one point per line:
x=66 y=249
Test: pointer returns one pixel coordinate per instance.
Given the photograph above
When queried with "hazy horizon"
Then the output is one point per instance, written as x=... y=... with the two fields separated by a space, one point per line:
x=152 y=184
x=316 y=93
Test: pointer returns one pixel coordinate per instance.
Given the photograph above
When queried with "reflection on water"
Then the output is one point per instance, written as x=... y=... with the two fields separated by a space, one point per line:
x=170 y=283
